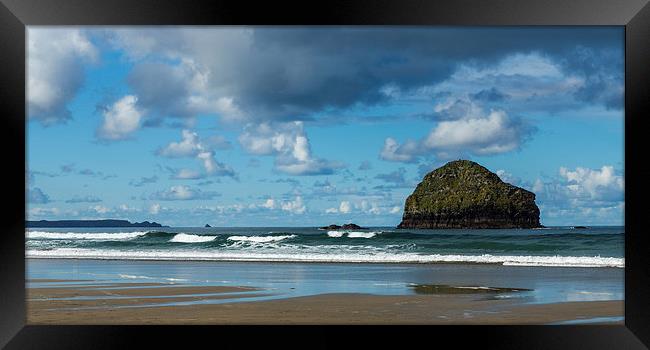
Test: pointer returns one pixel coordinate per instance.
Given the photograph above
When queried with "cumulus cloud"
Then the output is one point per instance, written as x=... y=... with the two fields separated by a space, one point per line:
x=189 y=146
x=473 y=131
x=192 y=147
x=492 y=134
x=55 y=71
x=269 y=204
x=537 y=82
x=588 y=195
x=361 y=207
x=288 y=143
x=601 y=184
x=345 y=207
x=406 y=153
x=154 y=209
x=40 y=212
x=120 y=119
x=183 y=193
x=100 y=209
x=296 y=206
x=295 y=72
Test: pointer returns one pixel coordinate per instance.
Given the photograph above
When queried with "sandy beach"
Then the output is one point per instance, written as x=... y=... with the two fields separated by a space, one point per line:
x=83 y=303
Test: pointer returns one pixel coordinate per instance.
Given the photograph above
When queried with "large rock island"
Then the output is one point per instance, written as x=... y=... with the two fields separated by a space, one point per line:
x=464 y=194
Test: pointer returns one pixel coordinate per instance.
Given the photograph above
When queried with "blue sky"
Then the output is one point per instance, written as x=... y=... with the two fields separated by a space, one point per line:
x=275 y=126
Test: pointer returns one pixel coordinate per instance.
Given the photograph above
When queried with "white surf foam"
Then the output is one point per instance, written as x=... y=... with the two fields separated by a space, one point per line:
x=100 y=236
x=335 y=233
x=185 y=238
x=354 y=234
x=259 y=239
x=295 y=255
x=135 y=277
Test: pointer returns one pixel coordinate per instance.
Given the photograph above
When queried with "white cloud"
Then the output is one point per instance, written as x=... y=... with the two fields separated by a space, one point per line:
x=295 y=206
x=121 y=119
x=582 y=195
x=41 y=212
x=269 y=204
x=345 y=207
x=472 y=131
x=370 y=207
x=100 y=209
x=154 y=209
x=55 y=71
x=191 y=146
x=395 y=152
x=395 y=210
x=182 y=192
x=290 y=146
x=331 y=211
x=187 y=174
x=188 y=147
x=602 y=184
x=492 y=134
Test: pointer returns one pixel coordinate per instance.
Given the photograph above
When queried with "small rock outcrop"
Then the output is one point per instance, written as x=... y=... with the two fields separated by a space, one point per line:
x=207 y=225
x=463 y=194
x=352 y=227
x=344 y=227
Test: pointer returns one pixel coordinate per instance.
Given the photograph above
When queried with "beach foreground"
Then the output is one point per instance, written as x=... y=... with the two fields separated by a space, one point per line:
x=109 y=307
x=78 y=292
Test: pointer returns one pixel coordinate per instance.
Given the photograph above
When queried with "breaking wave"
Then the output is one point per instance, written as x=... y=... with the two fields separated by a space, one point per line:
x=260 y=239
x=352 y=234
x=328 y=256
x=185 y=238
x=104 y=236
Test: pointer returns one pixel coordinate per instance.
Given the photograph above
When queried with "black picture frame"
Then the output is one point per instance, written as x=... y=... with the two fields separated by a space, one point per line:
x=15 y=15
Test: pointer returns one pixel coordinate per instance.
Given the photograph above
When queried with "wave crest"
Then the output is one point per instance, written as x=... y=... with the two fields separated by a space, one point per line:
x=100 y=236
x=352 y=234
x=259 y=239
x=185 y=238
x=361 y=256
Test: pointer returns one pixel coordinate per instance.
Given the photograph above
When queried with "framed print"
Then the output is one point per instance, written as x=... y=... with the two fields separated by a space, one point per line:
x=377 y=170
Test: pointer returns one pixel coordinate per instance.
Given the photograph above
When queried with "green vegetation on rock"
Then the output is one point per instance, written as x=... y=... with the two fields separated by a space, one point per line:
x=464 y=194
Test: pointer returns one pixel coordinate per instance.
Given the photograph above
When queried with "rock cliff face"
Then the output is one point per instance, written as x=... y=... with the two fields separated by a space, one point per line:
x=464 y=194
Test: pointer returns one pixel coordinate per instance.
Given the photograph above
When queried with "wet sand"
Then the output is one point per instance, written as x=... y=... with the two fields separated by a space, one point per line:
x=109 y=307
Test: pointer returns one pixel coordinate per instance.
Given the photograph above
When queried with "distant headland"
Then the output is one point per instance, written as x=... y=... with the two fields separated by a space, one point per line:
x=90 y=223
x=463 y=194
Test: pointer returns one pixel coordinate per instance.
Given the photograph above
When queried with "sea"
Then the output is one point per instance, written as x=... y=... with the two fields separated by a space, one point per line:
x=595 y=247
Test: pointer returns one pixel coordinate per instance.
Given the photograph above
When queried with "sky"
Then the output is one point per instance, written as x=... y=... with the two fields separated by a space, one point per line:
x=308 y=126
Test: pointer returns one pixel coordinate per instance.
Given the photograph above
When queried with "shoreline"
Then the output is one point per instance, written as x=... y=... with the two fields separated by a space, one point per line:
x=175 y=304
x=271 y=261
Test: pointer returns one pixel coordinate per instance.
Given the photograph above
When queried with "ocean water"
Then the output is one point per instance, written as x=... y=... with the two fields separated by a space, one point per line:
x=598 y=247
